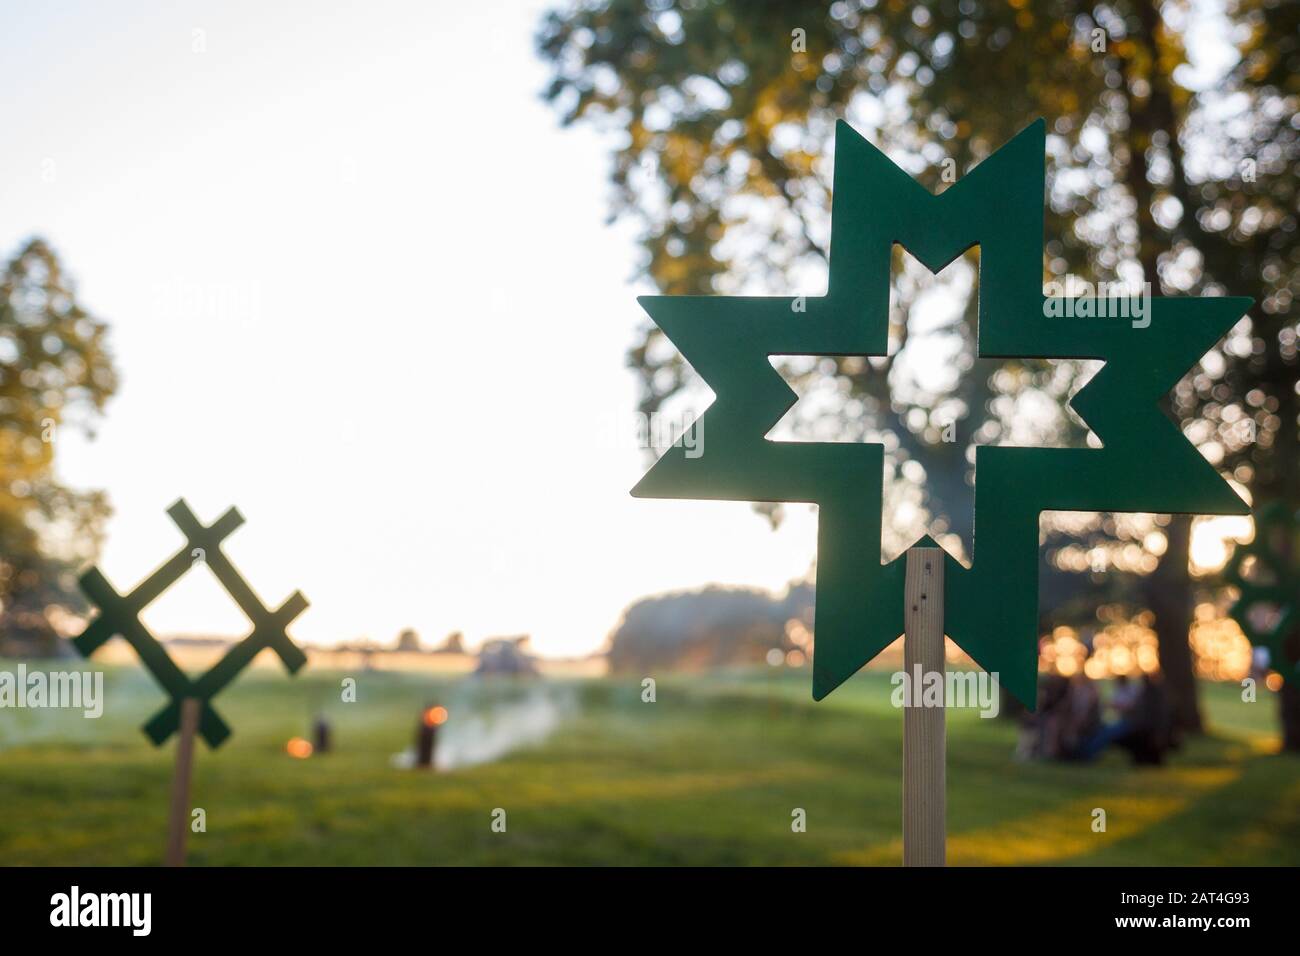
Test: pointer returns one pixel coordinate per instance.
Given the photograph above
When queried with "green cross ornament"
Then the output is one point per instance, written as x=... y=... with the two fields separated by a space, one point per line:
x=120 y=614
x=1274 y=552
x=991 y=607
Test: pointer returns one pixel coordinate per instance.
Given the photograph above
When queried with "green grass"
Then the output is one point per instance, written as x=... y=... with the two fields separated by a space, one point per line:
x=708 y=774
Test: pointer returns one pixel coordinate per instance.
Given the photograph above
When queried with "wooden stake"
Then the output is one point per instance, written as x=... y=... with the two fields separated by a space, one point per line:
x=924 y=744
x=178 y=827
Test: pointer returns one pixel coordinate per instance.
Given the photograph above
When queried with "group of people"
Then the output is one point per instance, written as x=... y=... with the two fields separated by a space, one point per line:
x=1072 y=724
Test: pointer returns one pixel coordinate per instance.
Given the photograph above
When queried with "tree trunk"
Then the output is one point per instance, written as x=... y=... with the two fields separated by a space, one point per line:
x=1169 y=595
x=1168 y=591
x=1288 y=712
x=1279 y=482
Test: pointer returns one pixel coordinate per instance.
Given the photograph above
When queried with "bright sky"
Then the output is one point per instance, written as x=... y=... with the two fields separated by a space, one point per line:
x=360 y=286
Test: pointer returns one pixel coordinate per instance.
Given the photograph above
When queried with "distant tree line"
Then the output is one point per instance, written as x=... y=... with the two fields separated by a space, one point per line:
x=695 y=630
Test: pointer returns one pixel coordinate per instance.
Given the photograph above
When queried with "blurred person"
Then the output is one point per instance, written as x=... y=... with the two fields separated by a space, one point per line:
x=1151 y=733
x=1125 y=695
x=1081 y=716
x=1041 y=730
x=1144 y=725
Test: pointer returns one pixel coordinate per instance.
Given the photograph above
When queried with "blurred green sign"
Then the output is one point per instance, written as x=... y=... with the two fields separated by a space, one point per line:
x=991 y=608
x=1268 y=582
x=120 y=614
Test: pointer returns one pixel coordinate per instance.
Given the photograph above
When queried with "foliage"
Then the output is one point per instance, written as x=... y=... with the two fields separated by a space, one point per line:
x=707 y=628
x=55 y=372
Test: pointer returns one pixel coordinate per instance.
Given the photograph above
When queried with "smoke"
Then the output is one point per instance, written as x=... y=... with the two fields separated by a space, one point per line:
x=486 y=721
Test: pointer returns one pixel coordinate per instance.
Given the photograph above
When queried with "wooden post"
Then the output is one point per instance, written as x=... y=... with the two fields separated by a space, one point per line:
x=178 y=826
x=924 y=744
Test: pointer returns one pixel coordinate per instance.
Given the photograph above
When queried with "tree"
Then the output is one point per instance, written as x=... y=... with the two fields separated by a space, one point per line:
x=407 y=640
x=55 y=372
x=713 y=627
x=453 y=644
x=723 y=112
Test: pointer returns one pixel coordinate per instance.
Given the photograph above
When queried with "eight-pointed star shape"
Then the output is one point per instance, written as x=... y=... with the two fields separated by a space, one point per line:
x=991 y=609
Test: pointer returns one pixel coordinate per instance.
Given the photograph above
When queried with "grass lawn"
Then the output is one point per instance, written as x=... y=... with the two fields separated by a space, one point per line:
x=708 y=774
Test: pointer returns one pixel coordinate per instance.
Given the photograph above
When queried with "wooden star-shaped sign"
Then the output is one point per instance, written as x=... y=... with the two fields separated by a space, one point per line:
x=1144 y=464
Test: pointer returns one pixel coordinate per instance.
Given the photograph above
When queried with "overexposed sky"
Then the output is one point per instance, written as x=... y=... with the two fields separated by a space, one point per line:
x=360 y=285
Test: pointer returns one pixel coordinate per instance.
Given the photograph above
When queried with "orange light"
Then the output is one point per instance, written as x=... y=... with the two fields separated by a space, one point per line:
x=433 y=716
x=298 y=748
x=1273 y=681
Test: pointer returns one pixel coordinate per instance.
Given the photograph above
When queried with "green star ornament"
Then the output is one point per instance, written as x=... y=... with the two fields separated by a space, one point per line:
x=991 y=608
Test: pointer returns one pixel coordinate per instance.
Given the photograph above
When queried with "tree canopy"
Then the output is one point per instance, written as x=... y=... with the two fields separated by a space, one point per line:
x=56 y=371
